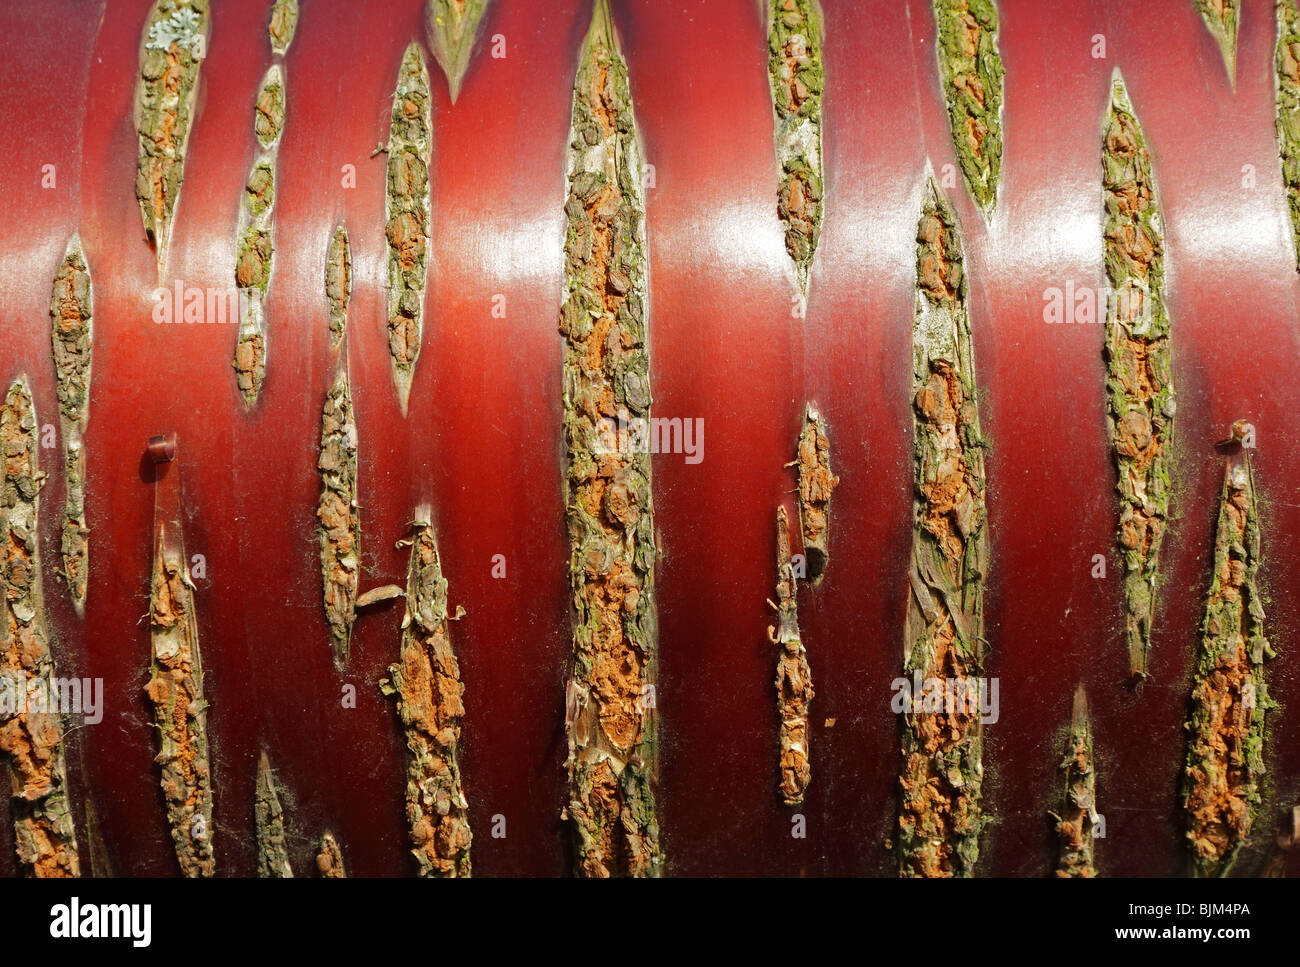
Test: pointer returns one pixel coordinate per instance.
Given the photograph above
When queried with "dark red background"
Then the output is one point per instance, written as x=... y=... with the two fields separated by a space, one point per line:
x=483 y=444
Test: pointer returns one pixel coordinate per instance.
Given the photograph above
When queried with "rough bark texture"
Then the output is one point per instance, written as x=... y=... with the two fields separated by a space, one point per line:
x=71 y=339
x=338 y=514
x=410 y=146
x=31 y=734
x=172 y=51
x=1287 y=66
x=1139 y=384
x=338 y=285
x=1076 y=824
x=1222 y=18
x=797 y=77
x=268 y=825
x=426 y=681
x=283 y=23
x=816 y=482
x=794 y=690
x=941 y=818
x=175 y=690
x=453 y=27
x=1229 y=701
x=329 y=860
x=609 y=707
x=970 y=68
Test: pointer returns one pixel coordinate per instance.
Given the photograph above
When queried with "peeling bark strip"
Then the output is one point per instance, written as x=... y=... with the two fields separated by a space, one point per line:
x=612 y=728
x=794 y=691
x=1225 y=750
x=180 y=712
x=31 y=736
x=1078 y=816
x=407 y=206
x=284 y=21
x=329 y=861
x=1139 y=387
x=940 y=819
x=429 y=702
x=971 y=69
x=1222 y=18
x=337 y=512
x=268 y=824
x=453 y=26
x=256 y=239
x=1287 y=64
x=71 y=341
x=797 y=77
x=816 y=482
x=338 y=285
x=172 y=50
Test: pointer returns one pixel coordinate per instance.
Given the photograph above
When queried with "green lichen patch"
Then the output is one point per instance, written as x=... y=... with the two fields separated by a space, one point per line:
x=1222 y=18
x=338 y=285
x=941 y=816
x=794 y=689
x=407 y=206
x=338 y=515
x=971 y=70
x=31 y=734
x=268 y=825
x=171 y=53
x=1287 y=66
x=611 y=723
x=1076 y=825
x=797 y=78
x=283 y=23
x=426 y=681
x=1229 y=701
x=175 y=692
x=259 y=190
x=453 y=27
x=1139 y=381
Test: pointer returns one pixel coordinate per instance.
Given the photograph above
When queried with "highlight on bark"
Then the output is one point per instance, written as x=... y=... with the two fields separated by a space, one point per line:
x=31 y=734
x=256 y=246
x=268 y=825
x=283 y=23
x=816 y=482
x=794 y=689
x=1221 y=18
x=329 y=858
x=426 y=681
x=172 y=50
x=970 y=69
x=1076 y=824
x=453 y=28
x=407 y=207
x=1229 y=700
x=1287 y=85
x=940 y=816
x=71 y=338
x=609 y=709
x=175 y=691
x=1139 y=382
x=797 y=79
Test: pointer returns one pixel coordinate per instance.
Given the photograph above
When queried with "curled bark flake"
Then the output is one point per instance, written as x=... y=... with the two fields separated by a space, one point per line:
x=797 y=78
x=71 y=340
x=268 y=824
x=453 y=26
x=31 y=735
x=816 y=482
x=794 y=690
x=407 y=208
x=175 y=691
x=171 y=53
x=941 y=818
x=283 y=23
x=429 y=692
x=971 y=70
x=338 y=285
x=612 y=762
x=1229 y=700
x=338 y=514
x=1139 y=384
x=1075 y=826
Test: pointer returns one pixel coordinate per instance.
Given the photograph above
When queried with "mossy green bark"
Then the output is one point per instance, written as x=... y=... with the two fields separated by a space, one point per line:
x=1287 y=66
x=1222 y=18
x=453 y=27
x=1076 y=824
x=268 y=825
x=970 y=68
x=282 y=25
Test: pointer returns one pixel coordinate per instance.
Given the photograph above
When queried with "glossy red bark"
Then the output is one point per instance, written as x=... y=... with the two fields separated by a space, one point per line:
x=482 y=441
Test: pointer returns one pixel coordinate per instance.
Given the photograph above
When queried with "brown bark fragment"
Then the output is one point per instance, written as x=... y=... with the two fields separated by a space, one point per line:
x=338 y=514
x=816 y=482
x=794 y=690
x=1077 y=821
x=329 y=860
